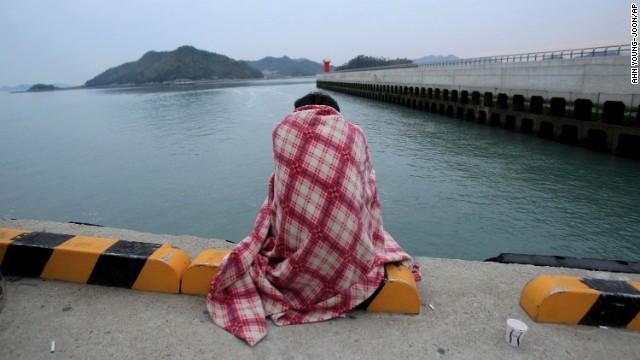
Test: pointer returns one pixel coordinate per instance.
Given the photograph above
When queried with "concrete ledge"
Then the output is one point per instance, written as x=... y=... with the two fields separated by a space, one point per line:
x=82 y=259
x=583 y=301
x=471 y=301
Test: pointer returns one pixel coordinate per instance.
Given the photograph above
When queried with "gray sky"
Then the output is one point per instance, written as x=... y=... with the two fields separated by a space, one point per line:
x=72 y=41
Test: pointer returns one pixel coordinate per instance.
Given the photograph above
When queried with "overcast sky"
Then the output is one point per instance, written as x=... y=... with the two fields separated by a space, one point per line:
x=72 y=41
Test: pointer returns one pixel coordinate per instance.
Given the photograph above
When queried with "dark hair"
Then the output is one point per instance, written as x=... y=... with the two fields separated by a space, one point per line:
x=317 y=98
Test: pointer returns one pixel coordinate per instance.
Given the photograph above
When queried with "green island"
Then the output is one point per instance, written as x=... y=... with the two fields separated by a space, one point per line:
x=364 y=61
x=42 y=87
x=183 y=65
x=273 y=67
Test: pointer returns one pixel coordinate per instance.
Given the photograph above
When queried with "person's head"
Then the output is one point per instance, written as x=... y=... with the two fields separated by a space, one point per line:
x=317 y=98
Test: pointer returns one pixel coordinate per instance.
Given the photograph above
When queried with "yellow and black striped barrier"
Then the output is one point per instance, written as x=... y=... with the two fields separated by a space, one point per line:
x=583 y=301
x=153 y=267
x=90 y=260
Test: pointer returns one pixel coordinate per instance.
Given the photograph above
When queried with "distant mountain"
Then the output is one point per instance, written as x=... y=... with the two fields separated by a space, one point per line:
x=21 y=87
x=186 y=63
x=434 y=58
x=26 y=87
x=285 y=66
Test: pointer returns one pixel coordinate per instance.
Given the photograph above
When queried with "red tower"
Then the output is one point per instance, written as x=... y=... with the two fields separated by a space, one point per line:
x=327 y=66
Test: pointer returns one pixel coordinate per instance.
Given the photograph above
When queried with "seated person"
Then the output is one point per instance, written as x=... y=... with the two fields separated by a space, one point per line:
x=318 y=247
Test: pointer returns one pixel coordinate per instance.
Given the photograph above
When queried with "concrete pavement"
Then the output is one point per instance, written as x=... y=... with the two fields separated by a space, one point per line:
x=471 y=301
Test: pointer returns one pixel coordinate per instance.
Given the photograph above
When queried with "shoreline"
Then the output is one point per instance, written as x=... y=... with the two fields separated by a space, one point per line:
x=170 y=83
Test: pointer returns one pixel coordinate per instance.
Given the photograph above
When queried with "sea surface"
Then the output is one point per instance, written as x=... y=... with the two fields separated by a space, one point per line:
x=196 y=159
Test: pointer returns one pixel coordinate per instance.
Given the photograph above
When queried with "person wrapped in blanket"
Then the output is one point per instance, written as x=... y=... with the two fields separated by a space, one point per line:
x=318 y=247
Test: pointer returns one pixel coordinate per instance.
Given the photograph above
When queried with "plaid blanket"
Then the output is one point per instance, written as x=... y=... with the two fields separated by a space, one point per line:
x=318 y=247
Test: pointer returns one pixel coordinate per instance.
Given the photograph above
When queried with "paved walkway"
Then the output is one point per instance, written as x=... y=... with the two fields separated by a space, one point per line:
x=471 y=301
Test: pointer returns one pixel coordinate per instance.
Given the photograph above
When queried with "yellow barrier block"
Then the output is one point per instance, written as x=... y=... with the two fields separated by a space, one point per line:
x=197 y=278
x=584 y=301
x=163 y=270
x=635 y=323
x=557 y=299
x=6 y=236
x=399 y=294
x=75 y=259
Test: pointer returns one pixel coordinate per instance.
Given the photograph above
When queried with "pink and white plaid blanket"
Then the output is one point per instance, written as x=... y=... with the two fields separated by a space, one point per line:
x=318 y=247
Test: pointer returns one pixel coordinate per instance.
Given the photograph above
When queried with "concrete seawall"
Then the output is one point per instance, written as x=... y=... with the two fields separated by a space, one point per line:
x=471 y=302
x=586 y=102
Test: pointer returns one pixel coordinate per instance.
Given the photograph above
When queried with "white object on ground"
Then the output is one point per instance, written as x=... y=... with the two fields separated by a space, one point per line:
x=515 y=332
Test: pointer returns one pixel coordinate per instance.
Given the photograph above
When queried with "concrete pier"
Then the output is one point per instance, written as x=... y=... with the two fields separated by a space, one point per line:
x=587 y=102
x=471 y=302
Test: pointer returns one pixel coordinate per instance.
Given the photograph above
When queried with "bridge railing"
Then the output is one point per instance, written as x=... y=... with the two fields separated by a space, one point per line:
x=613 y=50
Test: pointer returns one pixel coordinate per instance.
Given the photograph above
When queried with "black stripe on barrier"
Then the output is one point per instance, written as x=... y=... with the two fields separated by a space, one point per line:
x=28 y=254
x=617 y=305
x=121 y=263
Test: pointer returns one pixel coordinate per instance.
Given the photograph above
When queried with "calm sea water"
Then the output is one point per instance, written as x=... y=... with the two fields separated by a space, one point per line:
x=196 y=160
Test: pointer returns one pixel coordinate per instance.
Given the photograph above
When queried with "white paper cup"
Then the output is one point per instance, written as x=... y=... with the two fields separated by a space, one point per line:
x=515 y=332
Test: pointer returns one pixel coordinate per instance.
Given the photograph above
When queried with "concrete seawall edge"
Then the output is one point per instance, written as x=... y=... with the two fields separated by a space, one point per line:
x=470 y=300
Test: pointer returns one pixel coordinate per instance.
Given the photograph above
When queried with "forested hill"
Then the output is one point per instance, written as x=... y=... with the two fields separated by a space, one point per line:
x=364 y=61
x=285 y=66
x=186 y=63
